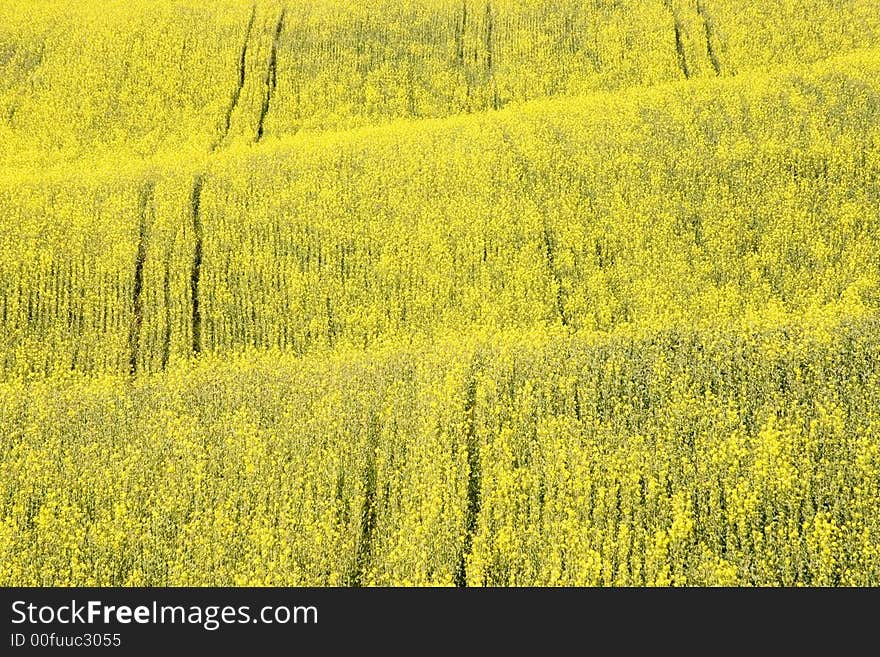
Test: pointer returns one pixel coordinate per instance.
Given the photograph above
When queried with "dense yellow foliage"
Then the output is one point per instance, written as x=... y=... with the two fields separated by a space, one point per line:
x=439 y=292
x=679 y=456
x=703 y=203
x=114 y=79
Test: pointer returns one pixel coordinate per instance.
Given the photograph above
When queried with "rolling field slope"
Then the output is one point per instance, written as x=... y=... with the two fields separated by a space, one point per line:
x=114 y=80
x=439 y=292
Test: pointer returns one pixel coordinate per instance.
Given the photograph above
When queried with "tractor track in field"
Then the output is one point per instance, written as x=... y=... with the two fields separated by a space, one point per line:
x=459 y=35
x=368 y=513
x=166 y=295
x=137 y=304
x=195 y=275
x=679 y=49
x=242 y=72
x=474 y=483
x=679 y=40
x=490 y=55
x=271 y=76
x=710 y=37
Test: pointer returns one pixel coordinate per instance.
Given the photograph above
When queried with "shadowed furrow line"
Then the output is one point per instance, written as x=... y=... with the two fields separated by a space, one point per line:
x=195 y=276
x=490 y=52
x=474 y=484
x=166 y=295
x=459 y=35
x=368 y=512
x=710 y=39
x=271 y=75
x=679 y=40
x=679 y=49
x=242 y=64
x=137 y=305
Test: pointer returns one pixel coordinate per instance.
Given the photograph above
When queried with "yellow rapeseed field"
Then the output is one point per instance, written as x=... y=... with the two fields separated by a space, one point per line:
x=439 y=292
